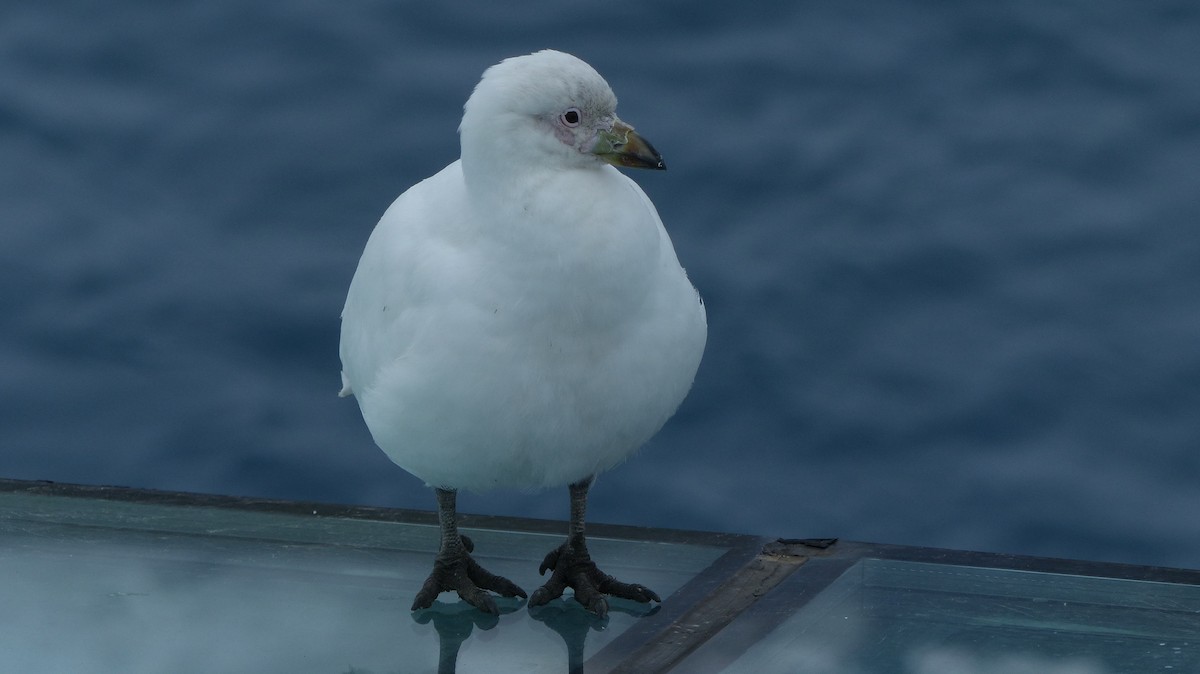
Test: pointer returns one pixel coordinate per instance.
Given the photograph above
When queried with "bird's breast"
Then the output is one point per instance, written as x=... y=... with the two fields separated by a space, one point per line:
x=562 y=259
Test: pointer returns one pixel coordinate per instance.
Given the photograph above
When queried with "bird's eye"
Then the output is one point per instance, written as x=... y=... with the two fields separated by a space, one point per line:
x=570 y=117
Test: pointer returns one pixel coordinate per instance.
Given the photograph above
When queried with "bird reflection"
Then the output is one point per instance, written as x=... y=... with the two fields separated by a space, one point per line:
x=454 y=623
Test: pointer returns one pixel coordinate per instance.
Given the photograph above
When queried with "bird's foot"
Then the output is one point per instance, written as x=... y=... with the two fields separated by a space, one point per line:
x=573 y=567
x=459 y=572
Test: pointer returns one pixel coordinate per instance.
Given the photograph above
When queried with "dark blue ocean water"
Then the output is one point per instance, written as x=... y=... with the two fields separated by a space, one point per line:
x=950 y=254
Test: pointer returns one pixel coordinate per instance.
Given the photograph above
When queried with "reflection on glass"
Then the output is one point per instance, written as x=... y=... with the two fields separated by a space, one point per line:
x=94 y=586
x=925 y=618
x=454 y=623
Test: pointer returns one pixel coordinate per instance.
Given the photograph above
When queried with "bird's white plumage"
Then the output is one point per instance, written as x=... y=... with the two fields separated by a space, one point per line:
x=520 y=318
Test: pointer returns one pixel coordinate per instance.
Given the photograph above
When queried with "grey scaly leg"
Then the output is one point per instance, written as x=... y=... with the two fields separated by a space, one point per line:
x=573 y=567
x=454 y=569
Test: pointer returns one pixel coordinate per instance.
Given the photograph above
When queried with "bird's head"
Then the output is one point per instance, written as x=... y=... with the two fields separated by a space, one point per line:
x=549 y=108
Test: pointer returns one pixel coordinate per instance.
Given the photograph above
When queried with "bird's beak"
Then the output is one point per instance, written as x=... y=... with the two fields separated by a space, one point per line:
x=621 y=146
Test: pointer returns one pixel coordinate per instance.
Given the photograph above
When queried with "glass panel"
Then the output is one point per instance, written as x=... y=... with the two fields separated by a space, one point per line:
x=94 y=585
x=924 y=618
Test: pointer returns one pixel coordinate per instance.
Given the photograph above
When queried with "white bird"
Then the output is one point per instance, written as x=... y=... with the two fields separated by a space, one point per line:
x=520 y=318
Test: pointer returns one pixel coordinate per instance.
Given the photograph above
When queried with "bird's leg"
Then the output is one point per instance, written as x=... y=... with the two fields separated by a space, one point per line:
x=454 y=569
x=573 y=567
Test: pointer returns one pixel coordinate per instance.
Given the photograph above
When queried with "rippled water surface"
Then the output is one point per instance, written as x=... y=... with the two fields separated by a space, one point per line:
x=950 y=254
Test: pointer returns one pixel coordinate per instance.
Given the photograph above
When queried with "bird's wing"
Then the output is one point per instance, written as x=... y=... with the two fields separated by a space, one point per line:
x=399 y=274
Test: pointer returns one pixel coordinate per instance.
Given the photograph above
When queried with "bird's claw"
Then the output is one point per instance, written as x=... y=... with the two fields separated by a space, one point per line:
x=634 y=591
x=574 y=568
x=463 y=575
x=550 y=561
